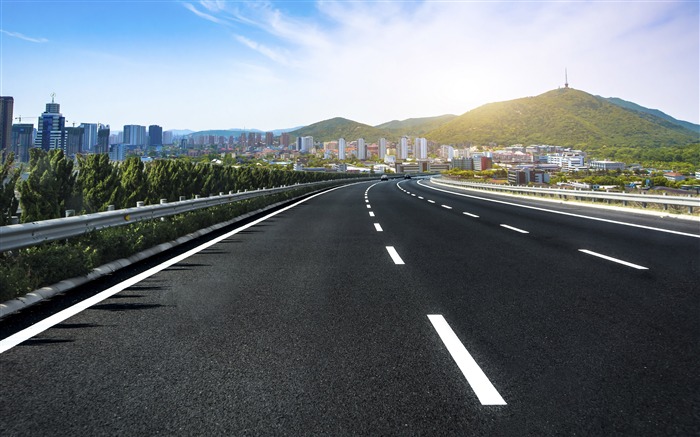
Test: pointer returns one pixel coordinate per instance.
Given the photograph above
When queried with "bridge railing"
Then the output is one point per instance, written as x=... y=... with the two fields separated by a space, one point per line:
x=624 y=198
x=23 y=235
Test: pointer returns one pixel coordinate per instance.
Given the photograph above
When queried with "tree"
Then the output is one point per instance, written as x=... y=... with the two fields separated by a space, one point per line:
x=132 y=181
x=39 y=194
x=8 y=202
x=99 y=182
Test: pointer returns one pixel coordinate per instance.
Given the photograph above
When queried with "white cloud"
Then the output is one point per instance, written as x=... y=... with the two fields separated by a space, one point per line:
x=204 y=15
x=24 y=37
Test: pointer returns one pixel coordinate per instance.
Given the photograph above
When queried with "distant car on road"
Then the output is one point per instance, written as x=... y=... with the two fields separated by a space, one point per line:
x=408 y=176
x=384 y=178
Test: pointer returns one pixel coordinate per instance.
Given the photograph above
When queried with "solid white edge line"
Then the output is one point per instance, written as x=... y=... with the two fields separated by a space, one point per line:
x=570 y=214
x=39 y=327
x=394 y=255
x=470 y=215
x=378 y=227
x=609 y=258
x=515 y=229
x=484 y=390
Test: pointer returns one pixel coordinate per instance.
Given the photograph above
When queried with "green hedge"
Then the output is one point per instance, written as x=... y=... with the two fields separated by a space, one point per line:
x=28 y=269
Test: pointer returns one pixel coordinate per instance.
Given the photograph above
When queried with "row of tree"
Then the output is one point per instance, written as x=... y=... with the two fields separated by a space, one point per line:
x=91 y=183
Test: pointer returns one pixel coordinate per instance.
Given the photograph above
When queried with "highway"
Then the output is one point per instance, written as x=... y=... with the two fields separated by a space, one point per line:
x=380 y=308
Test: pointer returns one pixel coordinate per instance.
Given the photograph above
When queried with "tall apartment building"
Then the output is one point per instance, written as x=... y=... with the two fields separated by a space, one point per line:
x=402 y=150
x=421 y=149
x=361 y=149
x=74 y=141
x=103 y=139
x=168 y=137
x=134 y=135
x=89 y=136
x=51 y=132
x=155 y=135
x=382 y=148
x=6 y=106
x=305 y=144
x=22 y=141
x=341 y=148
x=284 y=139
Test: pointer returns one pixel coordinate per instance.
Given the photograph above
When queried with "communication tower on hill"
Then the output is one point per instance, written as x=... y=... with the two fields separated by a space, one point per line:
x=566 y=79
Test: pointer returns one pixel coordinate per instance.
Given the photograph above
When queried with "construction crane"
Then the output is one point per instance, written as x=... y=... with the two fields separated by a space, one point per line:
x=19 y=118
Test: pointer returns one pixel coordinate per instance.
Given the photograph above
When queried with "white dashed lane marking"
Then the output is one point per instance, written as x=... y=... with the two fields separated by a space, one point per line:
x=615 y=260
x=394 y=255
x=378 y=227
x=484 y=390
x=515 y=229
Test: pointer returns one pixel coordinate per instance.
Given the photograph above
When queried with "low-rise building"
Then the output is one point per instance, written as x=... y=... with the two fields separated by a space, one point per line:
x=606 y=165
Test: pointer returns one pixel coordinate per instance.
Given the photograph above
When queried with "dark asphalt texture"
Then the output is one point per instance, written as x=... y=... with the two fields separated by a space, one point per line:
x=303 y=325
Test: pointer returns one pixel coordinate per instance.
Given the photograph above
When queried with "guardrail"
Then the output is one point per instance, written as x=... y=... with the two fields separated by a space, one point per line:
x=31 y=234
x=624 y=198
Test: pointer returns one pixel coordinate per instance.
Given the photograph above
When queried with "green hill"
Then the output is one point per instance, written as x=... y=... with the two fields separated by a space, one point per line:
x=564 y=117
x=415 y=126
x=655 y=112
x=335 y=128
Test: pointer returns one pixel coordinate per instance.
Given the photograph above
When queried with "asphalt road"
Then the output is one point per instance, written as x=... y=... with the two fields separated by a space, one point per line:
x=486 y=318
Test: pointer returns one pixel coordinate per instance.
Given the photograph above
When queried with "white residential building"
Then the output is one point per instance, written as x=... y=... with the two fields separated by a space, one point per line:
x=402 y=150
x=382 y=148
x=341 y=148
x=361 y=149
x=567 y=160
x=421 y=149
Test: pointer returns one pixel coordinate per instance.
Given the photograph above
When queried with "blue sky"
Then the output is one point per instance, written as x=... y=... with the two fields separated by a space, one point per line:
x=268 y=65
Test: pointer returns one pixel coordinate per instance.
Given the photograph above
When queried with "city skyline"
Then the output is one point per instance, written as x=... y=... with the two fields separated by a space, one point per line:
x=272 y=65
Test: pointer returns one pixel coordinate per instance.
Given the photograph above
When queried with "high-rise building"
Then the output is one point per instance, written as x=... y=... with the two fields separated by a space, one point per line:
x=155 y=135
x=22 y=141
x=134 y=135
x=361 y=149
x=89 y=136
x=103 y=139
x=269 y=138
x=74 y=141
x=382 y=148
x=305 y=144
x=402 y=151
x=251 y=139
x=341 y=148
x=284 y=139
x=168 y=137
x=421 y=149
x=51 y=132
x=6 y=106
x=117 y=152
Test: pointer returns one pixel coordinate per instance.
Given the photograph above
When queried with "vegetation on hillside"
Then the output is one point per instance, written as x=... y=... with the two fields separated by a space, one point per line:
x=564 y=117
x=335 y=128
x=415 y=126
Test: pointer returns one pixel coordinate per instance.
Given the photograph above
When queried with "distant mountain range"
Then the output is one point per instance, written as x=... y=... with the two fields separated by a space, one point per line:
x=564 y=117
x=228 y=132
